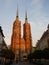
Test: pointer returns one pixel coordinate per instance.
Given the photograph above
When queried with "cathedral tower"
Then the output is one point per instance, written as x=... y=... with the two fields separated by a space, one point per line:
x=27 y=35
x=16 y=36
x=21 y=46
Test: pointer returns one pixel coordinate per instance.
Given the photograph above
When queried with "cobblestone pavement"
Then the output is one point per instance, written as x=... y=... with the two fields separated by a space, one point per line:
x=25 y=63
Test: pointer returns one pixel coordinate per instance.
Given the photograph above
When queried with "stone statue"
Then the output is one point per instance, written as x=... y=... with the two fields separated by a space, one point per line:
x=1 y=31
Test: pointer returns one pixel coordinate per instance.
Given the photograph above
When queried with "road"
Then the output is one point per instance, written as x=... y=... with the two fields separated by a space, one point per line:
x=27 y=63
x=23 y=63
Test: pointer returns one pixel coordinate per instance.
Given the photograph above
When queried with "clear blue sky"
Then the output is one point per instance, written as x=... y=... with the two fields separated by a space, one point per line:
x=38 y=16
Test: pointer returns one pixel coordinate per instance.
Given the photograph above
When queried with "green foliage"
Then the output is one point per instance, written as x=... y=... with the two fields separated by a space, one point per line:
x=30 y=56
x=7 y=54
x=46 y=53
x=38 y=54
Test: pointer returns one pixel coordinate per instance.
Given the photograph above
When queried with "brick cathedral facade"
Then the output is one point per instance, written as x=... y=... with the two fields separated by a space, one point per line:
x=21 y=46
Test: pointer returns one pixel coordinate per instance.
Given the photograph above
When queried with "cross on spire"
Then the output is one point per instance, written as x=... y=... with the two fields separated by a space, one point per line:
x=17 y=13
x=26 y=16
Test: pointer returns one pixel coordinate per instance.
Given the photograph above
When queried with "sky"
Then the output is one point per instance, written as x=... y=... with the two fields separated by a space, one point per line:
x=38 y=16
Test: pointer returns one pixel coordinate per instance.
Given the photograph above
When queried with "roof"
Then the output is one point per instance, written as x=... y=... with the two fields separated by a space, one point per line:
x=45 y=34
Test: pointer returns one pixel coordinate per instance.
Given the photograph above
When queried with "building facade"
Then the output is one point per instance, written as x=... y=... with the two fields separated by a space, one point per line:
x=44 y=41
x=21 y=46
x=2 y=41
x=3 y=46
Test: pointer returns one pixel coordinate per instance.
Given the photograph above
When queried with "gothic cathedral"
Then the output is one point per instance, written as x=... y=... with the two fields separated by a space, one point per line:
x=21 y=46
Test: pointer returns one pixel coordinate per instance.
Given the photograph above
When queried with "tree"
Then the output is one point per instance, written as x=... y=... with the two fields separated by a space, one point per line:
x=7 y=54
x=37 y=54
x=30 y=57
x=46 y=53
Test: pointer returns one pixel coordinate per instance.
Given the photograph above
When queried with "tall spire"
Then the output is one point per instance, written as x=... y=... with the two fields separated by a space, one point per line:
x=26 y=16
x=17 y=13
